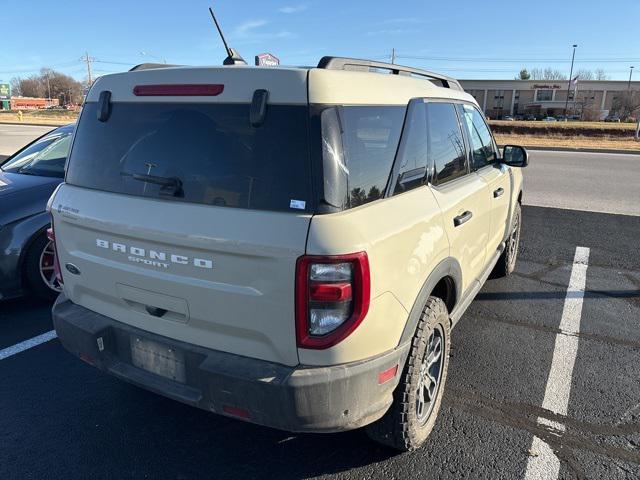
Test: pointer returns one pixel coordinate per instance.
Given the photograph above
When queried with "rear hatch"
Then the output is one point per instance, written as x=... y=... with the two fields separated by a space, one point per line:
x=182 y=215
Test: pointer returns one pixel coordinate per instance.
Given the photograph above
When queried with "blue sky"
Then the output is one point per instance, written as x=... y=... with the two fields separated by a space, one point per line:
x=463 y=38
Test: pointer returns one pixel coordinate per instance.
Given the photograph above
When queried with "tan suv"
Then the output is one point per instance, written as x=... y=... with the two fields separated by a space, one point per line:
x=287 y=246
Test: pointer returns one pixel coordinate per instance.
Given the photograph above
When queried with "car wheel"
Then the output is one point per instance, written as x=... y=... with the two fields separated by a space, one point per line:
x=39 y=269
x=416 y=399
x=507 y=261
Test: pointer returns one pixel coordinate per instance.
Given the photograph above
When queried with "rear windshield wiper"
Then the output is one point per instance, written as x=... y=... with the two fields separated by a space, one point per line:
x=170 y=185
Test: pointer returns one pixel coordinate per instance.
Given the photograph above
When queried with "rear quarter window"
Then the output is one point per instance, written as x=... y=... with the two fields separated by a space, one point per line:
x=359 y=144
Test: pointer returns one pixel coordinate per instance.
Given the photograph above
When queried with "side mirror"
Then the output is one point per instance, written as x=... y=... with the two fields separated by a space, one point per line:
x=515 y=156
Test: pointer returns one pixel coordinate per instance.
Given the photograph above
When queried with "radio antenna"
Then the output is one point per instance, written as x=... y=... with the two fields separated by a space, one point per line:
x=233 y=57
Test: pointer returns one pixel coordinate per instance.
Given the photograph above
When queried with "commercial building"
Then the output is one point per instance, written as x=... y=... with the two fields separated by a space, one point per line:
x=593 y=99
x=31 y=103
x=9 y=102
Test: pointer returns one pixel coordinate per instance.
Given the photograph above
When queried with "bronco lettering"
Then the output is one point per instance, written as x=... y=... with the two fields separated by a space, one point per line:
x=138 y=254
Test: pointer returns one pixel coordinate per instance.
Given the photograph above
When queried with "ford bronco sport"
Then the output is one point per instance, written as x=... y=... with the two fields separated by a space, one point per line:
x=287 y=246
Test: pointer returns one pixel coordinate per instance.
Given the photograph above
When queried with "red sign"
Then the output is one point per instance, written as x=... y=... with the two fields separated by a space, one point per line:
x=267 y=60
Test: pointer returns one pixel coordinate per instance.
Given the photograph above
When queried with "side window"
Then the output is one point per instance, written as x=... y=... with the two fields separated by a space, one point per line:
x=446 y=145
x=480 y=138
x=412 y=155
x=28 y=153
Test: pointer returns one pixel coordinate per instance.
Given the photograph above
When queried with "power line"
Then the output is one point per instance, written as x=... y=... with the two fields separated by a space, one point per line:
x=37 y=69
x=515 y=60
x=114 y=63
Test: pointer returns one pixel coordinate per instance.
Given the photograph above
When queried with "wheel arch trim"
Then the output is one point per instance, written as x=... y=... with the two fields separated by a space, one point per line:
x=448 y=267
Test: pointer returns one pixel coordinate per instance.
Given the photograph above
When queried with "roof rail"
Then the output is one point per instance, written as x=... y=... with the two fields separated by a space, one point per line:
x=149 y=66
x=343 y=63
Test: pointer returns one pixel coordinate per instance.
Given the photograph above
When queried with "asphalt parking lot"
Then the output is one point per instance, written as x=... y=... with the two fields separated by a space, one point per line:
x=61 y=418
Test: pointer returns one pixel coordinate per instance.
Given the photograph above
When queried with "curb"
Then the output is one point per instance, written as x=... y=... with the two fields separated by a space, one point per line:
x=580 y=150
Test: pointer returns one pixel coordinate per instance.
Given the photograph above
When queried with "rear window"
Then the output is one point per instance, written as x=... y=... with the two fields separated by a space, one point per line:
x=199 y=153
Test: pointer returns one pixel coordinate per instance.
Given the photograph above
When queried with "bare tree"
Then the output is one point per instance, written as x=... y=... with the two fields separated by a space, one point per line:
x=585 y=104
x=600 y=74
x=547 y=74
x=49 y=82
x=628 y=104
x=597 y=74
x=31 y=87
x=584 y=74
x=63 y=87
x=16 y=89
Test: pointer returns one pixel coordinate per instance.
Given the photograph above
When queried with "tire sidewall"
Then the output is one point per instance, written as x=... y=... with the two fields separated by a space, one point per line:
x=511 y=257
x=31 y=268
x=418 y=431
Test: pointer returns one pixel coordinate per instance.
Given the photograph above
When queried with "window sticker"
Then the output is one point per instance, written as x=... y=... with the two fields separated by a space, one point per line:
x=297 y=204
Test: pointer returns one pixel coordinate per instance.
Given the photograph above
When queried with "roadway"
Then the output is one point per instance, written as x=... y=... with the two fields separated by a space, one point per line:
x=543 y=379
x=13 y=137
x=596 y=182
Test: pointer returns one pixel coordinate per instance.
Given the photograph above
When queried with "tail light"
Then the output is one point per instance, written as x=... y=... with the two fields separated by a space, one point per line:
x=332 y=298
x=56 y=263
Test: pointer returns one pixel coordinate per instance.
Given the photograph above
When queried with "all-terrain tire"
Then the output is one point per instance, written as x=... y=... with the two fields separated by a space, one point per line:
x=507 y=262
x=401 y=427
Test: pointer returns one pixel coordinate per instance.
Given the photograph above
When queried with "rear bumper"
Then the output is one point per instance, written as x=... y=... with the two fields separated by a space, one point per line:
x=299 y=399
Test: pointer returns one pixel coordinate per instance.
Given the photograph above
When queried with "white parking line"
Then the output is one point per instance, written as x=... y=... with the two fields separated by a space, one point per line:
x=27 y=344
x=543 y=464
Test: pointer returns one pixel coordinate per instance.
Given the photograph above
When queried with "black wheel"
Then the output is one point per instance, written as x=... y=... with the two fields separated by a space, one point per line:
x=38 y=268
x=507 y=261
x=416 y=400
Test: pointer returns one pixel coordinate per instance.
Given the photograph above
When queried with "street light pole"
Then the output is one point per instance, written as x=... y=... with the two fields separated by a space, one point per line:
x=566 y=103
x=630 y=73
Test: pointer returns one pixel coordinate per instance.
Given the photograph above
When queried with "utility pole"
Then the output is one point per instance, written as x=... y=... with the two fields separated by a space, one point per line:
x=49 y=87
x=566 y=103
x=89 y=60
x=630 y=73
x=393 y=55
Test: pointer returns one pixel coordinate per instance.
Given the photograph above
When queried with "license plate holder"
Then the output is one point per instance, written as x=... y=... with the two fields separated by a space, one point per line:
x=158 y=358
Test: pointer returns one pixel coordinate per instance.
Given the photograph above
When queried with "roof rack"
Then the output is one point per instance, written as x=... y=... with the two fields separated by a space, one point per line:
x=343 y=63
x=149 y=66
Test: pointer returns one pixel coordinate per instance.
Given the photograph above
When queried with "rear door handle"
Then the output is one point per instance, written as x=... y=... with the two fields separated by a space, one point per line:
x=460 y=219
x=498 y=193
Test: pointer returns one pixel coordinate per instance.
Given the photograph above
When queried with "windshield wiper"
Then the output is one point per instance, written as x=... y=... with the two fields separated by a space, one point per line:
x=170 y=185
